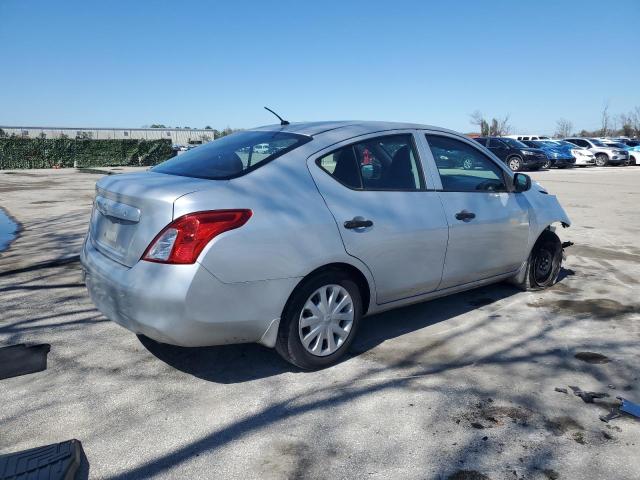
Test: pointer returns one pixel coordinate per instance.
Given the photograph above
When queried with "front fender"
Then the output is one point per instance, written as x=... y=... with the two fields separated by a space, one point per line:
x=545 y=210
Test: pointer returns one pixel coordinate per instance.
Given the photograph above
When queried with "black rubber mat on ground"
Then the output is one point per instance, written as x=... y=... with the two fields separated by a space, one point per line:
x=20 y=359
x=60 y=461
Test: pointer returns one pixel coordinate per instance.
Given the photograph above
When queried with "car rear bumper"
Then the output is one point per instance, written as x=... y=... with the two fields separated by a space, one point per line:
x=182 y=304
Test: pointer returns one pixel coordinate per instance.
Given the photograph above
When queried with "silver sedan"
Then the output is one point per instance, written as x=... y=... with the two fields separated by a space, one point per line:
x=288 y=235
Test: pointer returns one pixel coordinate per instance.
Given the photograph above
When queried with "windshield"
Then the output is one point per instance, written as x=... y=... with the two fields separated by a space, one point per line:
x=232 y=156
x=513 y=143
x=597 y=143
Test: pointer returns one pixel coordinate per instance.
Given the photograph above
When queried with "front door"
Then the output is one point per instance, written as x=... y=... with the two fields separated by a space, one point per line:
x=488 y=224
x=374 y=187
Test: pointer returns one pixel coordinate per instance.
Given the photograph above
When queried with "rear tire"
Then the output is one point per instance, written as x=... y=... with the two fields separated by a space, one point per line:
x=544 y=262
x=304 y=314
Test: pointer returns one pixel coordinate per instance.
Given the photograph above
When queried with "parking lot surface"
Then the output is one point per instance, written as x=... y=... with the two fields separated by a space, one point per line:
x=454 y=386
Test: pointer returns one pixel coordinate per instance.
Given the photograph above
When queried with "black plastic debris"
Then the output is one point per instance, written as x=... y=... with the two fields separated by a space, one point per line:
x=60 y=461
x=561 y=390
x=588 y=397
x=16 y=360
x=614 y=413
x=592 y=357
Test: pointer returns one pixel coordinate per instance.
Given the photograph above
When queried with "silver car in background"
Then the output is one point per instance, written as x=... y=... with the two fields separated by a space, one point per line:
x=290 y=245
x=605 y=155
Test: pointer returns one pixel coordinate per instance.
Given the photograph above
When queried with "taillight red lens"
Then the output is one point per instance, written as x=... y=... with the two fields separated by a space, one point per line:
x=183 y=239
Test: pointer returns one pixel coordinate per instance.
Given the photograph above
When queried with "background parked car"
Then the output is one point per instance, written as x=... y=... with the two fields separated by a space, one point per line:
x=582 y=155
x=558 y=155
x=604 y=155
x=633 y=152
x=514 y=153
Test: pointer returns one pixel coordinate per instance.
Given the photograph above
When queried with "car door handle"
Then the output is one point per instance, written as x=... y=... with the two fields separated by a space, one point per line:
x=358 y=222
x=465 y=215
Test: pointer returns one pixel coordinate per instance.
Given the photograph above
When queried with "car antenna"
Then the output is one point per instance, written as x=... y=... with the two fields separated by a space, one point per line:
x=282 y=121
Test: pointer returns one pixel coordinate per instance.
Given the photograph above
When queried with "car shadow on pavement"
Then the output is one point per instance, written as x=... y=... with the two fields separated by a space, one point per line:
x=229 y=364
x=220 y=364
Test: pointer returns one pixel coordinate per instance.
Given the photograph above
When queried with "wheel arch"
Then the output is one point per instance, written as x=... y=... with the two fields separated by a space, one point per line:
x=547 y=233
x=354 y=272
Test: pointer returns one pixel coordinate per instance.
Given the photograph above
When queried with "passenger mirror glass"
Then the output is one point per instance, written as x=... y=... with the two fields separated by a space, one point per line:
x=521 y=182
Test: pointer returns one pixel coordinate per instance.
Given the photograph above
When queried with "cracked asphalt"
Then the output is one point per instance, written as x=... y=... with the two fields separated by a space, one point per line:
x=461 y=387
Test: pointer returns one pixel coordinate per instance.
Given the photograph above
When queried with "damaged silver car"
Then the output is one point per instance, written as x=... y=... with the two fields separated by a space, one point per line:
x=289 y=234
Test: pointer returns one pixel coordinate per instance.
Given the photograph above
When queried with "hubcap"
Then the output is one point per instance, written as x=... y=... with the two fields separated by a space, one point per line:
x=543 y=265
x=467 y=164
x=514 y=164
x=600 y=160
x=326 y=320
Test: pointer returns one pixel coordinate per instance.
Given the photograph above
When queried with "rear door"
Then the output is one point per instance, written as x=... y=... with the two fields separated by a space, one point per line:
x=488 y=224
x=387 y=217
x=498 y=148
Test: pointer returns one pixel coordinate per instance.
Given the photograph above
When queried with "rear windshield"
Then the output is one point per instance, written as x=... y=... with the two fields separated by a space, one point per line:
x=232 y=156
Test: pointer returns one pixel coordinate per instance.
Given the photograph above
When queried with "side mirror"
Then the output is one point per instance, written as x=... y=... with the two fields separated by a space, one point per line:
x=521 y=182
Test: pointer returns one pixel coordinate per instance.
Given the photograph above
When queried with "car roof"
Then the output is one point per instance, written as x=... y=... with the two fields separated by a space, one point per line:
x=348 y=128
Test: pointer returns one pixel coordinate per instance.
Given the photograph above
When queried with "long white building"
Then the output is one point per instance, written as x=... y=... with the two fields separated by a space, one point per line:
x=180 y=136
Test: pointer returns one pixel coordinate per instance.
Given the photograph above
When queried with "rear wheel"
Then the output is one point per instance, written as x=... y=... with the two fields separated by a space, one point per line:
x=543 y=265
x=602 y=160
x=546 y=164
x=515 y=164
x=320 y=320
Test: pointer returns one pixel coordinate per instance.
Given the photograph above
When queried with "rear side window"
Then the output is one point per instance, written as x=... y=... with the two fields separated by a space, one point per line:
x=381 y=163
x=233 y=155
x=481 y=141
x=463 y=168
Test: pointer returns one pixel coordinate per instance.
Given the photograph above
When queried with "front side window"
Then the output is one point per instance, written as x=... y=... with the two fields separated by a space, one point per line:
x=233 y=155
x=464 y=168
x=381 y=163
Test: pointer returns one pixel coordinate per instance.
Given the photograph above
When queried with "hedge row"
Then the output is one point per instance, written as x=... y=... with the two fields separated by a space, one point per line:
x=64 y=152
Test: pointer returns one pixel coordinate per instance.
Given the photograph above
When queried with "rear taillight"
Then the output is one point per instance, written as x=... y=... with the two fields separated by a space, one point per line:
x=183 y=239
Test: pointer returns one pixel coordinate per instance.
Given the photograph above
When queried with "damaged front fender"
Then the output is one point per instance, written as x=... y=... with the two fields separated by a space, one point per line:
x=545 y=211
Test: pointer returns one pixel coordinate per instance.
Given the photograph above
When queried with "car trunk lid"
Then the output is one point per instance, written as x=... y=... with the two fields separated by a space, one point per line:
x=129 y=210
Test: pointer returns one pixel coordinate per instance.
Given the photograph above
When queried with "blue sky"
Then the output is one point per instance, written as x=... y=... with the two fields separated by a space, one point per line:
x=197 y=63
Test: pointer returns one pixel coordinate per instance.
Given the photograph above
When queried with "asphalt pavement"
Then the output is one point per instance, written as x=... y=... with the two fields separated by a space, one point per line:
x=463 y=385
